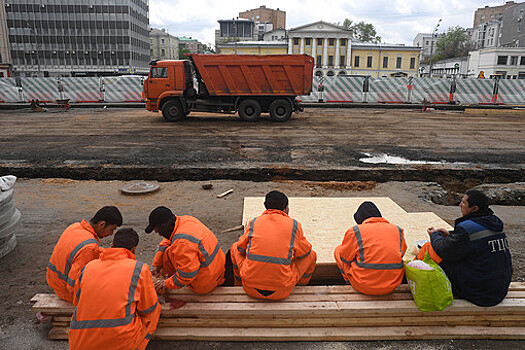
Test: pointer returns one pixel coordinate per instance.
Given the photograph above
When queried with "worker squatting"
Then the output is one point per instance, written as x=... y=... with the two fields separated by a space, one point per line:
x=116 y=296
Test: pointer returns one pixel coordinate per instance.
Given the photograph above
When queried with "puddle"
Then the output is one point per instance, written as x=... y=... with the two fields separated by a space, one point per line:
x=383 y=158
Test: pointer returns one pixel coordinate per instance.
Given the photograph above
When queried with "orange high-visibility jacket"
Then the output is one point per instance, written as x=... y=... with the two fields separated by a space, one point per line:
x=78 y=245
x=271 y=242
x=116 y=304
x=194 y=257
x=159 y=254
x=372 y=256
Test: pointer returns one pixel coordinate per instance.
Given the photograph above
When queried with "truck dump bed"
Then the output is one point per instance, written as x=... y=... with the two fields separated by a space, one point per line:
x=284 y=75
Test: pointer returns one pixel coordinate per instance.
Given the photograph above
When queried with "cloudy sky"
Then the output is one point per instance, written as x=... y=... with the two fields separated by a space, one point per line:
x=396 y=21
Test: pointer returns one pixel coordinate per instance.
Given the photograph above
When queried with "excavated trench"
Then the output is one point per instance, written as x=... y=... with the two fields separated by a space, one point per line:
x=504 y=186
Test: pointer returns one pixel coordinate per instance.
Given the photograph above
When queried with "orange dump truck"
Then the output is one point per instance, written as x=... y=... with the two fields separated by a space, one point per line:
x=247 y=84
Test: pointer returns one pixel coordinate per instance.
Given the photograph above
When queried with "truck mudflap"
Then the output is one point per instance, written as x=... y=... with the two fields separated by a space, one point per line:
x=297 y=106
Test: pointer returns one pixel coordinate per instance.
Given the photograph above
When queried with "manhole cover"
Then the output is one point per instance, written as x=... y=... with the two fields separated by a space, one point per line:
x=139 y=187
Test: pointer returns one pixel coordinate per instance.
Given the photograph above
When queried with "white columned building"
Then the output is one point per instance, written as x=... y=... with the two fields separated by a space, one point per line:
x=336 y=42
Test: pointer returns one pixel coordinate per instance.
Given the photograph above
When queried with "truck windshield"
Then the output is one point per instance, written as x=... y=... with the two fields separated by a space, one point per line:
x=159 y=72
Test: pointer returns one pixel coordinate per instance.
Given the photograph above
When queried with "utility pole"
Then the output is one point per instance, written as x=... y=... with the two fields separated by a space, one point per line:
x=235 y=38
x=35 y=46
x=432 y=47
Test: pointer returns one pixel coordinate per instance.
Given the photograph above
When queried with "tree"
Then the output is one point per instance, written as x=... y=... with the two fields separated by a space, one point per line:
x=182 y=52
x=361 y=31
x=453 y=43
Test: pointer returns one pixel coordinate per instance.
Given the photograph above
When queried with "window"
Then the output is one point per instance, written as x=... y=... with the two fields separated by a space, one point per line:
x=319 y=61
x=159 y=72
x=502 y=60
x=331 y=42
x=513 y=60
x=399 y=62
x=356 y=61
x=522 y=62
x=343 y=42
x=369 y=62
x=428 y=42
x=163 y=52
x=342 y=60
x=307 y=41
x=385 y=62
x=162 y=41
x=412 y=62
x=296 y=41
x=330 y=61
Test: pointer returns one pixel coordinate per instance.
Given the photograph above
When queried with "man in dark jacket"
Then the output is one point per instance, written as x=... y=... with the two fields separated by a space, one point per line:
x=475 y=255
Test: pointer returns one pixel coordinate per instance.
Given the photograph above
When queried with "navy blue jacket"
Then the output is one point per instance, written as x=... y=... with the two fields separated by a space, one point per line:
x=476 y=258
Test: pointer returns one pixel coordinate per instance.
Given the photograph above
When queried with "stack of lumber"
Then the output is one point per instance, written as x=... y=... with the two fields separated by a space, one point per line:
x=320 y=313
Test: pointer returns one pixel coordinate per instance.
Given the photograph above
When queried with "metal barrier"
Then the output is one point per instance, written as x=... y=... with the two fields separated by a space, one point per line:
x=314 y=95
x=511 y=92
x=388 y=90
x=343 y=89
x=474 y=91
x=430 y=90
x=82 y=89
x=122 y=89
x=42 y=89
x=9 y=92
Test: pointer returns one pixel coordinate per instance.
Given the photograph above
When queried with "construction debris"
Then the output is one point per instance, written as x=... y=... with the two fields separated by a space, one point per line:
x=235 y=228
x=224 y=194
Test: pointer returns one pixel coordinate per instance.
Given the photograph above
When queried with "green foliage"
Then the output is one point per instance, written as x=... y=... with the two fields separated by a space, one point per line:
x=182 y=52
x=362 y=31
x=453 y=43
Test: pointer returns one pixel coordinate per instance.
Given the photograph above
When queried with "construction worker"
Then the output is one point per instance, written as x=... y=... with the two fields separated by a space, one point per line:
x=116 y=306
x=371 y=255
x=190 y=253
x=78 y=245
x=475 y=255
x=273 y=255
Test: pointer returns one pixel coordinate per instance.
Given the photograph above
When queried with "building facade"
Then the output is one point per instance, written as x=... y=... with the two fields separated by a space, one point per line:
x=253 y=48
x=278 y=34
x=71 y=37
x=500 y=62
x=163 y=45
x=329 y=45
x=513 y=27
x=266 y=15
x=239 y=29
x=5 y=53
x=449 y=68
x=487 y=13
x=426 y=42
x=385 y=60
x=190 y=44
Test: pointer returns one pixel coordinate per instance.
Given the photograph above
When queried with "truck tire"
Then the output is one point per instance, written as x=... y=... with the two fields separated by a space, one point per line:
x=249 y=110
x=172 y=111
x=280 y=110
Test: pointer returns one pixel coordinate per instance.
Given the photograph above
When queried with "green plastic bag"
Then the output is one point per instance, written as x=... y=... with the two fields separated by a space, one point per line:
x=431 y=289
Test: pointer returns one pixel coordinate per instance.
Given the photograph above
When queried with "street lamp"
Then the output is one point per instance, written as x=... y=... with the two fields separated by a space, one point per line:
x=434 y=32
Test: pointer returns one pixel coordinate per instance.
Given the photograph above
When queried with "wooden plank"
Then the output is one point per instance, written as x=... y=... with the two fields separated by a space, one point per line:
x=427 y=320
x=327 y=334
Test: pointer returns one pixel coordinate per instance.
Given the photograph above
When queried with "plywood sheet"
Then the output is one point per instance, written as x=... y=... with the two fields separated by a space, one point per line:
x=325 y=220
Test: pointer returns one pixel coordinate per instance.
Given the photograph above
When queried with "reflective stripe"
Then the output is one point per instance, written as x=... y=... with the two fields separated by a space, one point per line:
x=345 y=261
x=400 y=240
x=80 y=280
x=116 y=322
x=176 y=281
x=148 y=336
x=306 y=275
x=208 y=260
x=185 y=274
x=379 y=266
x=235 y=266
x=483 y=234
x=372 y=266
x=65 y=275
x=303 y=256
x=268 y=259
x=149 y=309
x=161 y=248
x=292 y=239
x=250 y=234
x=186 y=237
x=238 y=278
x=242 y=250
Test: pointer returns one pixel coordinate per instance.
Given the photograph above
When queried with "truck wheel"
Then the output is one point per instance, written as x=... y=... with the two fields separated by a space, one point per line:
x=249 y=110
x=172 y=111
x=280 y=110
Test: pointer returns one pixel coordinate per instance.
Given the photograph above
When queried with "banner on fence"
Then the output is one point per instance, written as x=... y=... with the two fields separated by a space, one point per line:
x=343 y=89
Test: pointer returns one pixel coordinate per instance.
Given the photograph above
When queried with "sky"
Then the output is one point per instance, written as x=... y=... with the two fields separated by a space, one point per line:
x=396 y=21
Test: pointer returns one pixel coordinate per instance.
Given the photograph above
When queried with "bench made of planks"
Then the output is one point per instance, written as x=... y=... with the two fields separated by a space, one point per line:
x=316 y=313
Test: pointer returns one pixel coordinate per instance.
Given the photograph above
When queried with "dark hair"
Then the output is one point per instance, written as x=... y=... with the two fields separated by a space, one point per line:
x=365 y=211
x=110 y=214
x=477 y=198
x=276 y=200
x=126 y=238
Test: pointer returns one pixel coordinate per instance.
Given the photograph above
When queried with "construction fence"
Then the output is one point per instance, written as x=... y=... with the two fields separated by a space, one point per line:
x=338 y=89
